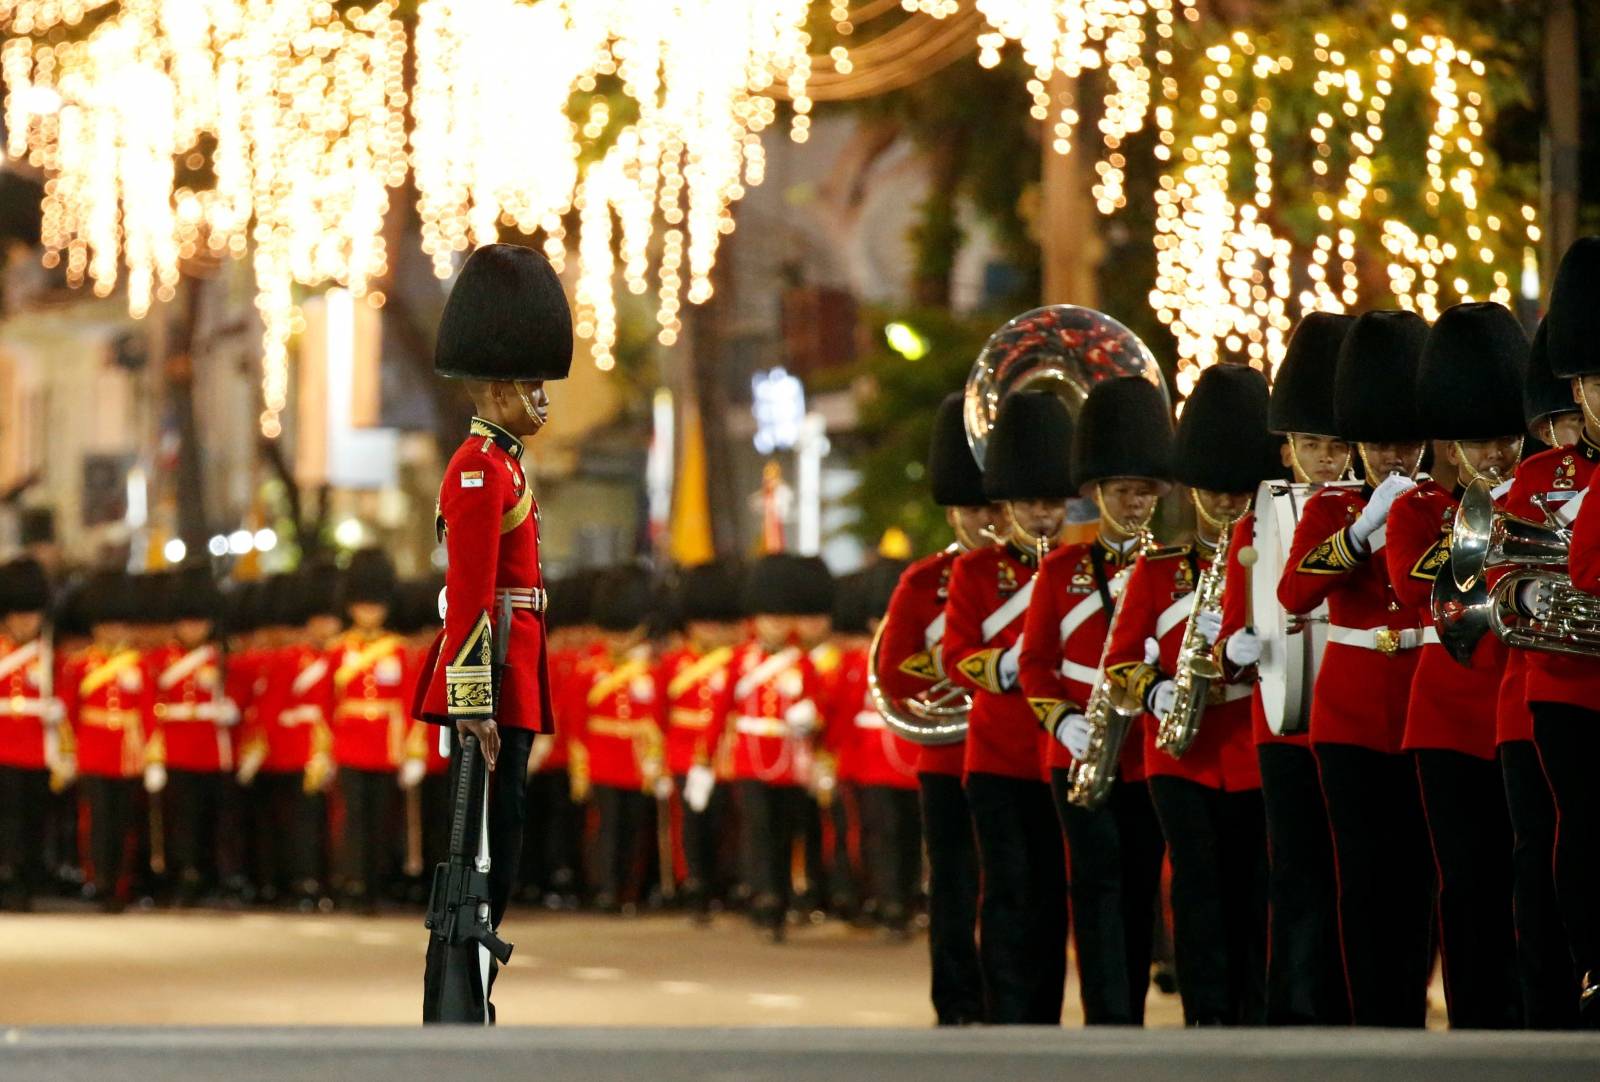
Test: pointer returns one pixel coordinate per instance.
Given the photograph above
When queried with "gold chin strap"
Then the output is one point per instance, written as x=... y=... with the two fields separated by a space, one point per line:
x=1591 y=422
x=527 y=404
x=1300 y=473
x=1220 y=525
x=1366 y=466
x=1494 y=477
x=1117 y=525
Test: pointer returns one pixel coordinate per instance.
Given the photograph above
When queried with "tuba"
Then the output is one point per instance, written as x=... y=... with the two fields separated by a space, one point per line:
x=1065 y=349
x=1467 y=607
x=1197 y=668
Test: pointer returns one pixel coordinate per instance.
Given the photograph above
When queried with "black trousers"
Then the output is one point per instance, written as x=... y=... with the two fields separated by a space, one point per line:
x=702 y=833
x=1386 y=882
x=193 y=804
x=844 y=817
x=1218 y=845
x=291 y=833
x=369 y=841
x=111 y=809
x=1464 y=798
x=1569 y=746
x=1305 y=974
x=1544 y=962
x=891 y=846
x=24 y=797
x=1023 y=911
x=619 y=844
x=774 y=818
x=957 y=986
x=552 y=851
x=1114 y=859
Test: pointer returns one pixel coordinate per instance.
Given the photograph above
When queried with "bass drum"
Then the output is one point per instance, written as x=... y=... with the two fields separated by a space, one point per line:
x=1291 y=647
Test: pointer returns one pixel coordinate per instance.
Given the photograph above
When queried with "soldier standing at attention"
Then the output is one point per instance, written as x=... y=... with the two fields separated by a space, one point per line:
x=506 y=329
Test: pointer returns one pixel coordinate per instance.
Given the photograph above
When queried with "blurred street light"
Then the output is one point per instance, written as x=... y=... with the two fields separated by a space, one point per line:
x=904 y=340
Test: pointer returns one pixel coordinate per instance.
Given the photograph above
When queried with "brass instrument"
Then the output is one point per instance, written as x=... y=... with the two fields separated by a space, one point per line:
x=1197 y=669
x=1110 y=716
x=1466 y=608
x=1061 y=348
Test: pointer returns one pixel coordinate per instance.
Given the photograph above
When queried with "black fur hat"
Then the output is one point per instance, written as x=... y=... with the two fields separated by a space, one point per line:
x=369 y=578
x=710 y=592
x=109 y=597
x=1574 y=314
x=1302 y=391
x=1223 y=444
x=154 y=598
x=953 y=473
x=24 y=587
x=1544 y=394
x=193 y=594
x=416 y=606
x=1029 y=456
x=879 y=582
x=623 y=599
x=1470 y=378
x=783 y=584
x=1375 y=387
x=317 y=588
x=1124 y=430
x=850 y=610
x=507 y=318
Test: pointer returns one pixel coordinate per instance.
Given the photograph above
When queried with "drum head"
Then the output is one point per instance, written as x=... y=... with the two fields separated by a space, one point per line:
x=1287 y=666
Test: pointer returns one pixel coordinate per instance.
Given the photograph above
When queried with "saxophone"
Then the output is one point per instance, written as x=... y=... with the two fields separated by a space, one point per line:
x=1089 y=778
x=1197 y=669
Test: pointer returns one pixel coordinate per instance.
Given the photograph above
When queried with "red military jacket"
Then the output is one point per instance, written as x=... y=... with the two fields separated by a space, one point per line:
x=1235 y=606
x=1560 y=474
x=990 y=586
x=106 y=694
x=193 y=714
x=291 y=715
x=490 y=527
x=622 y=713
x=1452 y=707
x=909 y=660
x=763 y=686
x=369 y=720
x=1361 y=694
x=1064 y=635
x=1159 y=597
x=695 y=685
x=25 y=704
x=870 y=753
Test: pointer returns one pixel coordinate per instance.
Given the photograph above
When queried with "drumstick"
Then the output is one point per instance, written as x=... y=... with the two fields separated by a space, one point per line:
x=1247 y=559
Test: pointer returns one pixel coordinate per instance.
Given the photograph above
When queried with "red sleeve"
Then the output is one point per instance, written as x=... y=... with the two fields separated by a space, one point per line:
x=1413 y=535
x=905 y=666
x=1141 y=608
x=1039 y=664
x=1322 y=554
x=968 y=659
x=471 y=502
x=1585 y=553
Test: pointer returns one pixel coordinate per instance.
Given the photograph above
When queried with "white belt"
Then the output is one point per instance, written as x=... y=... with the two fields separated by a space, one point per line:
x=191 y=712
x=1382 y=639
x=22 y=706
x=524 y=597
x=300 y=715
x=1082 y=674
x=752 y=726
x=870 y=719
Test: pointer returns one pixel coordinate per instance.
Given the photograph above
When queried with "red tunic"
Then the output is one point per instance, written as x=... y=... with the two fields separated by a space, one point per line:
x=1235 y=605
x=908 y=647
x=291 y=715
x=622 y=720
x=1003 y=736
x=1452 y=707
x=1560 y=678
x=696 y=685
x=369 y=718
x=490 y=526
x=870 y=753
x=23 y=705
x=763 y=688
x=1159 y=598
x=193 y=714
x=106 y=694
x=1063 y=636
x=1361 y=694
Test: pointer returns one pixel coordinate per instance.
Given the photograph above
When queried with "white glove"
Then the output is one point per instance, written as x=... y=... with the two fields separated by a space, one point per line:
x=1209 y=624
x=250 y=764
x=664 y=787
x=227 y=713
x=1533 y=598
x=1244 y=648
x=1152 y=651
x=1073 y=733
x=1008 y=666
x=1162 y=696
x=63 y=772
x=697 y=786
x=412 y=772
x=801 y=718
x=543 y=745
x=1376 y=513
x=55 y=711
x=155 y=778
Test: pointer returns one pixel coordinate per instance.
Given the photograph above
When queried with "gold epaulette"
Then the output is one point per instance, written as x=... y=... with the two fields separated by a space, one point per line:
x=1166 y=552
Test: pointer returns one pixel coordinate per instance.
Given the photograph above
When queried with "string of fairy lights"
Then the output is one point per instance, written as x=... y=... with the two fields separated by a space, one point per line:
x=621 y=134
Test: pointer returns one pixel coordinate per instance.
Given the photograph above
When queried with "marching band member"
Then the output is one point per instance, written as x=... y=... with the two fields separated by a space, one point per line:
x=909 y=662
x=1208 y=799
x=1469 y=392
x=1024 y=900
x=1358 y=711
x=1121 y=459
x=31 y=731
x=1544 y=962
x=1305 y=975
x=1561 y=687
